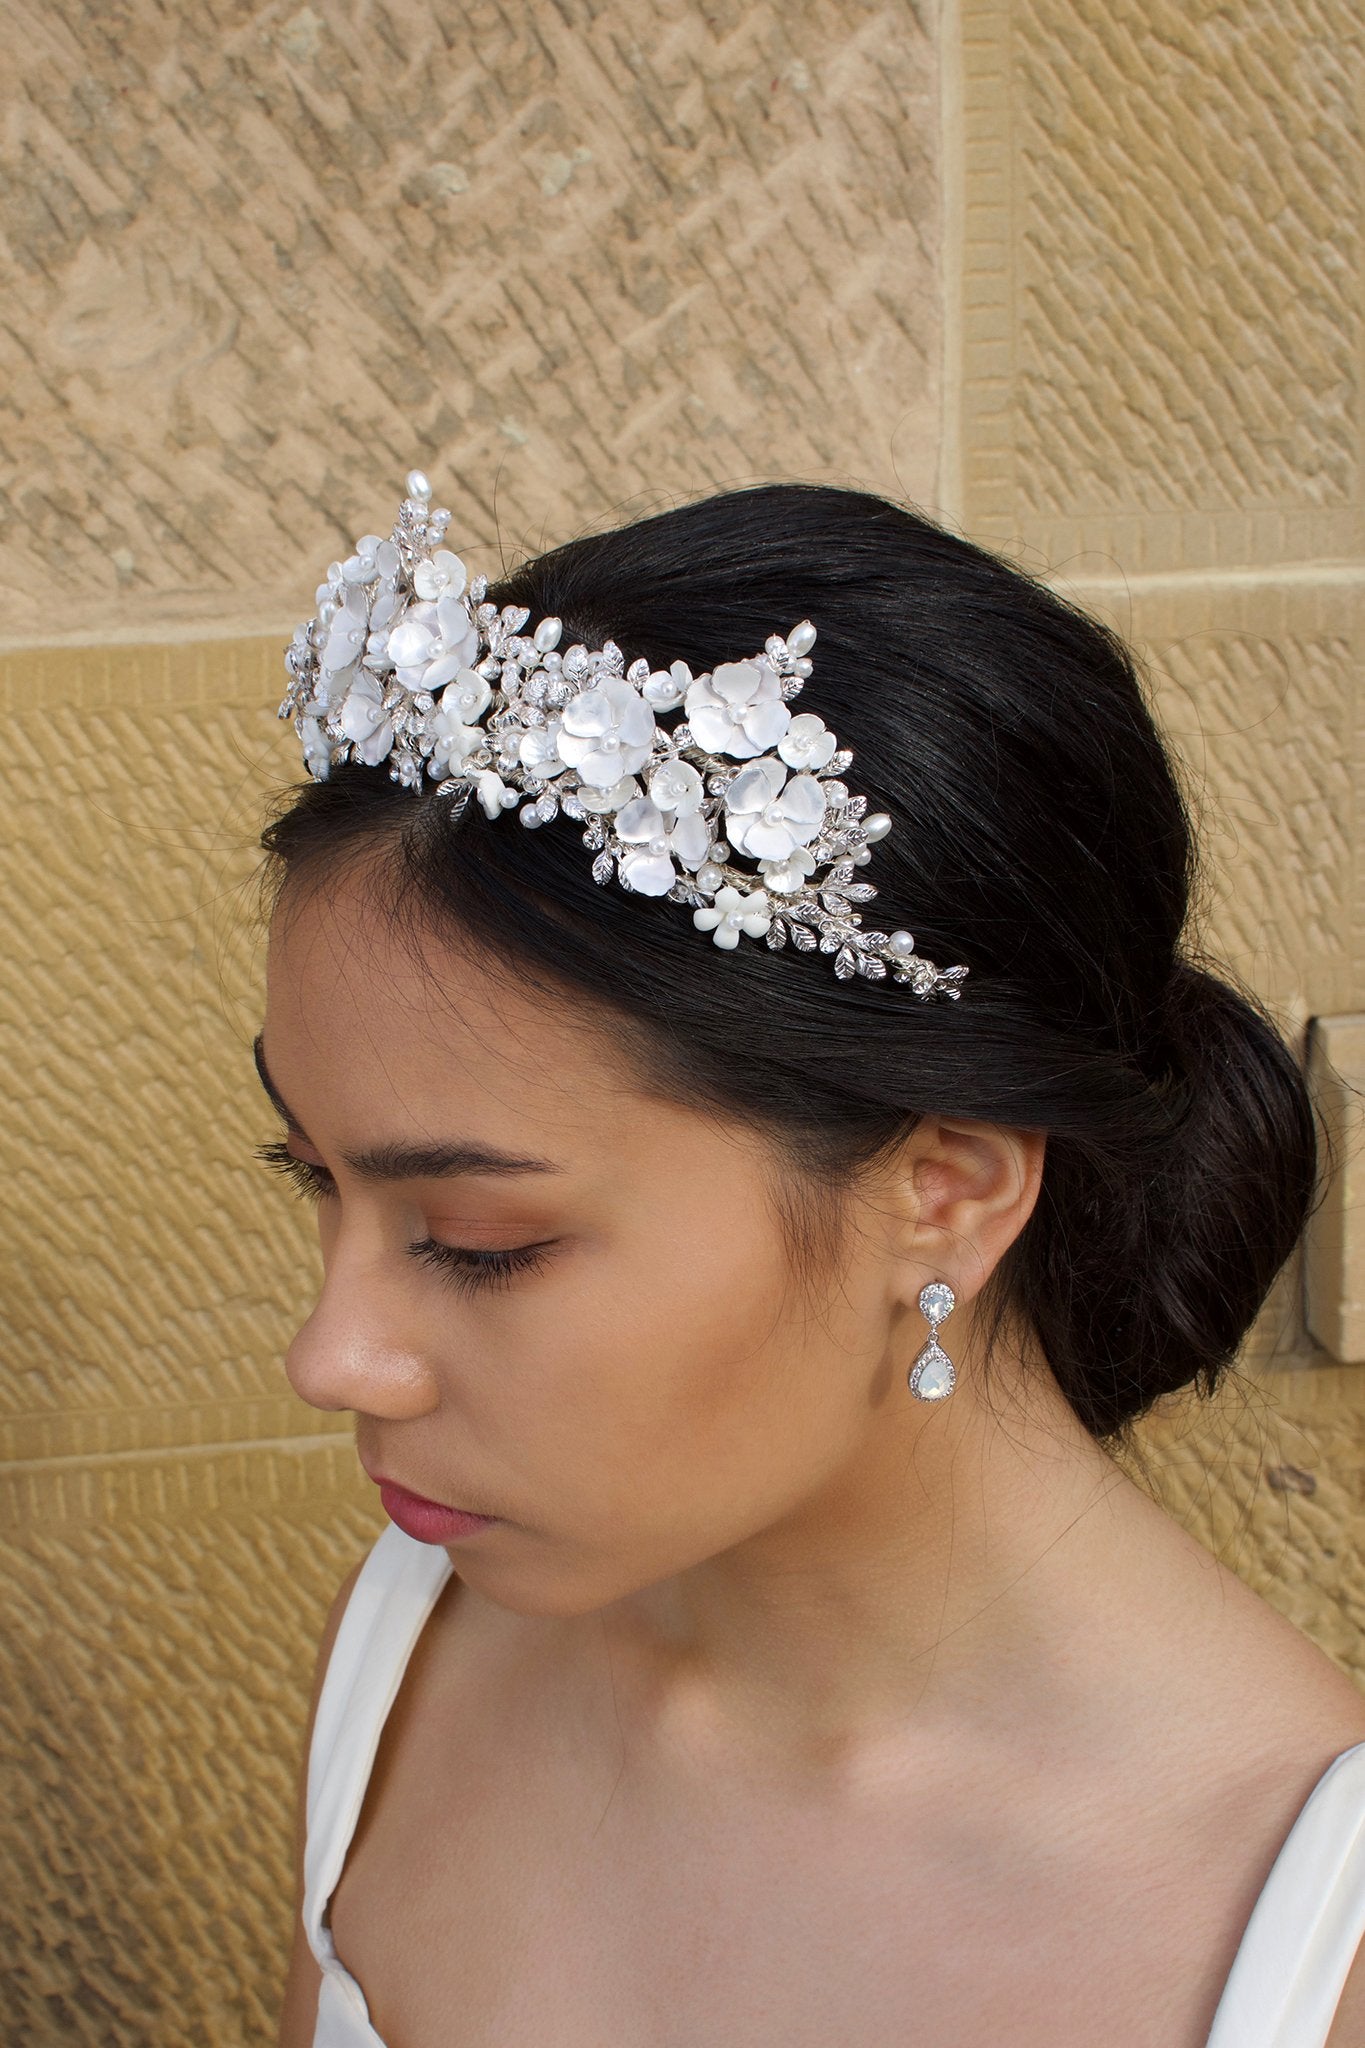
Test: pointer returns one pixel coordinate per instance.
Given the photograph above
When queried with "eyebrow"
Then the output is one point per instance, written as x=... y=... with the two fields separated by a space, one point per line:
x=438 y=1160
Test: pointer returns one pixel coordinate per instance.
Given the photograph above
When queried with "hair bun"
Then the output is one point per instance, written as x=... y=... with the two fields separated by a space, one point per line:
x=1216 y=1210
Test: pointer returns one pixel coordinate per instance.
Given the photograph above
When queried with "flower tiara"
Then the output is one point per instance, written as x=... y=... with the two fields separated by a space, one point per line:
x=405 y=662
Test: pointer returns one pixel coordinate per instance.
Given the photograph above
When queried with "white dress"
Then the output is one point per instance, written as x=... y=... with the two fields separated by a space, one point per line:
x=1285 y=1981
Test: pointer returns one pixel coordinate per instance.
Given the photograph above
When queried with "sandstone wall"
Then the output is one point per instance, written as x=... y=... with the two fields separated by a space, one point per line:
x=1088 y=278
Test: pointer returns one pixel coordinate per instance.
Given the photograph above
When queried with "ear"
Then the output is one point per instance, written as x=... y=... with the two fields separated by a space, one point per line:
x=960 y=1192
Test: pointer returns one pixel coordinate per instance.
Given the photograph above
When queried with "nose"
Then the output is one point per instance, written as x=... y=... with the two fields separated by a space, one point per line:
x=352 y=1351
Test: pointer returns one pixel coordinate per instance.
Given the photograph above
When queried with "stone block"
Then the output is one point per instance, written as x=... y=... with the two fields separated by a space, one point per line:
x=1168 y=199
x=1334 y=1262
x=577 y=262
x=160 y=1618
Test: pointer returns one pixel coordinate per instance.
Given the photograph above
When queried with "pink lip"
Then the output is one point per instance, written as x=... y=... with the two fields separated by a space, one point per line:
x=426 y=1520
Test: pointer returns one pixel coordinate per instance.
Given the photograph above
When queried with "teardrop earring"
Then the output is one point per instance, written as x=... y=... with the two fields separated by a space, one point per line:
x=932 y=1377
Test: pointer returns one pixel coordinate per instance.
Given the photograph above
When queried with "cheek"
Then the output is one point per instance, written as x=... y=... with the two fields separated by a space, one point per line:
x=692 y=1363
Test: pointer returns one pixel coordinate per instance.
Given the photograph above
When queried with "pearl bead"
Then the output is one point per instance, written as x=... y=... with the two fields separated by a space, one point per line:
x=547 y=635
x=801 y=638
x=901 y=943
x=709 y=876
x=418 y=487
x=876 y=827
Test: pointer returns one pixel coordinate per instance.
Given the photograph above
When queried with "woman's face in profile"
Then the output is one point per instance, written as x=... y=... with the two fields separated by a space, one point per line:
x=550 y=1296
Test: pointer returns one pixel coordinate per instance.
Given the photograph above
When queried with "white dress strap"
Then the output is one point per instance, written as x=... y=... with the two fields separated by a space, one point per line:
x=394 y=1593
x=1307 y=1924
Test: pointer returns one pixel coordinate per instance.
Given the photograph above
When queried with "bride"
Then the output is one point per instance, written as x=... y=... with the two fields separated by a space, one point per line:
x=755 y=1203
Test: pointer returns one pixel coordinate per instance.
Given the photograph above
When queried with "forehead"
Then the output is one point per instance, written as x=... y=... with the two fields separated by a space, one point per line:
x=357 y=1004
x=374 y=1031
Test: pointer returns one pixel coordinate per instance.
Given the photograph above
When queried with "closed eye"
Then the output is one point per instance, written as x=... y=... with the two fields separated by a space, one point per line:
x=308 y=1180
x=466 y=1267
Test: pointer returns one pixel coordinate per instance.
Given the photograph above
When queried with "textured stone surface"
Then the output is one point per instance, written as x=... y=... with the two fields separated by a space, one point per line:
x=1257 y=690
x=157 y=1659
x=1162 y=278
x=1334 y=1251
x=1190 y=323
x=574 y=258
x=151 y=1275
x=1271 y=1476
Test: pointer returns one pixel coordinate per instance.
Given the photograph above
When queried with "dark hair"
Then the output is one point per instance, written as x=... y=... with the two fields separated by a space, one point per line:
x=1040 y=837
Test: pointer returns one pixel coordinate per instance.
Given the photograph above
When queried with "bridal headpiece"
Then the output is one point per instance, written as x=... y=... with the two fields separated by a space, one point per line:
x=405 y=662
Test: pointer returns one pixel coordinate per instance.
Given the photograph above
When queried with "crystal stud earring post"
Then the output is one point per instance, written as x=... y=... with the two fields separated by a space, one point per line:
x=932 y=1377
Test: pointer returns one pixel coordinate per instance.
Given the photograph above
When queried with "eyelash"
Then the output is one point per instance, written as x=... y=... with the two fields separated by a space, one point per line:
x=465 y=1268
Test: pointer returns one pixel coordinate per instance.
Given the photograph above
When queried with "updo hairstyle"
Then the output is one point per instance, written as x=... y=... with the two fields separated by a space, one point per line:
x=1040 y=836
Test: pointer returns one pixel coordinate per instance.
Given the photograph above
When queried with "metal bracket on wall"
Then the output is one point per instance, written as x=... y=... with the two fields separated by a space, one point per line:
x=1334 y=1261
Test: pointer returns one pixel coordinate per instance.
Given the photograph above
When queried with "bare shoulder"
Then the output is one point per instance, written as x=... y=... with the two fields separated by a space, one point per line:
x=298 y=2011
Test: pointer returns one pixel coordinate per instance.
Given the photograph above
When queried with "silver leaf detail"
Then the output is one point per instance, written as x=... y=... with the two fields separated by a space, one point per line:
x=603 y=868
x=844 y=963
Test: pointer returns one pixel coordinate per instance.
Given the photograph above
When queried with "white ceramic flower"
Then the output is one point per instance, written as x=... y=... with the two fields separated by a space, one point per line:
x=785 y=877
x=433 y=643
x=317 y=750
x=466 y=696
x=608 y=732
x=373 y=557
x=768 y=817
x=538 y=751
x=365 y=722
x=347 y=631
x=665 y=688
x=733 y=913
x=454 y=723
x=655 y=842
x=456 y=743
x=807 y=742
x=737 y=709
x=602 y=802
x=676 y=786
x=494 y=794
x=443 y=576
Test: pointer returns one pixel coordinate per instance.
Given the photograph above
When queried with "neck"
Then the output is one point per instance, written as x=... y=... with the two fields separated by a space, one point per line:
x=964 y=1562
